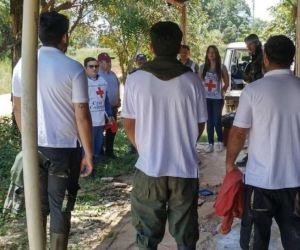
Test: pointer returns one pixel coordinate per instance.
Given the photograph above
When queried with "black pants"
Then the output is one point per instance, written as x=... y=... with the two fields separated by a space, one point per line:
x=110 y=136
x=59 y=186
x=261 y=206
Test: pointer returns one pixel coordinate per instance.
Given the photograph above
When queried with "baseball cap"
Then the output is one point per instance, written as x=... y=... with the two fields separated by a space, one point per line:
x=251 y=38
x=104 y=57
x=141 y=57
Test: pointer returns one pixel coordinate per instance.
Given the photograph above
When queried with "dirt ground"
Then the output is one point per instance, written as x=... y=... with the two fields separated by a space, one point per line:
x=107 y=223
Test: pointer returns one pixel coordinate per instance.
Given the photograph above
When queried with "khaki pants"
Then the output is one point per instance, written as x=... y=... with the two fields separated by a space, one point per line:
x=154 y=200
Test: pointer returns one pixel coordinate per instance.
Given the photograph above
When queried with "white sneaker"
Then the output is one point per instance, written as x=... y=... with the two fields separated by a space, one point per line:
x=209 y=148
x=219 y=146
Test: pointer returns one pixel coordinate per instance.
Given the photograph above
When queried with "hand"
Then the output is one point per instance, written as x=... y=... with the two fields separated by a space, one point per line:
x=86 y=167
x=231 y=167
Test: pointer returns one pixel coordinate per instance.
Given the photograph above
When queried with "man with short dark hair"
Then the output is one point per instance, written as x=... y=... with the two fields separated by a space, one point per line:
x=140 y=60
x=184 y=58
x=64 y=122
x=164 y=113
x=113 y=92
x=269 y=112
x=98 y=103
x=254 y=69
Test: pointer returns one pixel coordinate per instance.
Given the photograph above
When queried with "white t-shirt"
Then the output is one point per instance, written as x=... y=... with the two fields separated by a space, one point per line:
x=213 y=85
x=61 y=83
x=166 y=116
x=97 y=96
x=270 y=107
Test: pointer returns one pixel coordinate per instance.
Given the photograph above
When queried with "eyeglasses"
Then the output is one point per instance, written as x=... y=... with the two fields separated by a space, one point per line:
x=93 y=66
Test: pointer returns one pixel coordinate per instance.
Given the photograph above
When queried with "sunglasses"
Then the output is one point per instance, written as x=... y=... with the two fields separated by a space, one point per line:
x=93 y=66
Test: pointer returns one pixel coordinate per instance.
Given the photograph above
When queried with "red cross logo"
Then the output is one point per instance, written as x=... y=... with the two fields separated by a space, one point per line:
x=100 y=92
x=210 y=85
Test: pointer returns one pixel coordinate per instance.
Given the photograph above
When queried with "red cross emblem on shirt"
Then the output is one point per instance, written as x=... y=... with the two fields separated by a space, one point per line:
x=210 y=85
x=100 y=92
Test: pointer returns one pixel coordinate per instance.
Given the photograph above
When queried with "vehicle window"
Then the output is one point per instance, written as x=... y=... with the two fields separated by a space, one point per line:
x=227 y=58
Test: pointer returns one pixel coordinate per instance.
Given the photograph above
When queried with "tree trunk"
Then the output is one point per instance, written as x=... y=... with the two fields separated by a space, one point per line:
x=16 y=13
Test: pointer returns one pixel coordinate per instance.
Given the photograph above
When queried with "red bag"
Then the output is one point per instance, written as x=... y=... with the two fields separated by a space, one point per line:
x=113 y=126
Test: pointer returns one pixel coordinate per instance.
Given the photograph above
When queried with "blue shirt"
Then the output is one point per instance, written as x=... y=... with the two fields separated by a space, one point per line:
x=112 y=87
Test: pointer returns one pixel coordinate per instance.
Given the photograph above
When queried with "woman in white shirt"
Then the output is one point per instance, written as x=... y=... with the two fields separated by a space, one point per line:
x=214 y=76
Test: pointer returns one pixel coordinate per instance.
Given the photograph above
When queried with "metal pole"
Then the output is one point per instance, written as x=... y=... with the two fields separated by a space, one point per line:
x=29 y=125
x=297 y=57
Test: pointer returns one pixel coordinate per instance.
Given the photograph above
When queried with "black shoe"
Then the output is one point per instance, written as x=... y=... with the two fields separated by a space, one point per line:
x=243 y=162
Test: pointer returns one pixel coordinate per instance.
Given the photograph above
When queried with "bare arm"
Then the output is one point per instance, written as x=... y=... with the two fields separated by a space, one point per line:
x=225 y=77
x=17 y=111
x=84 y=125
x=237 y=138
x=129 y=126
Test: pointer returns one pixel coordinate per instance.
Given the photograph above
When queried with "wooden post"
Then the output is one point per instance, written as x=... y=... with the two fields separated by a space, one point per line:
x=29 y=125
x=297 y=57
x=184 y=23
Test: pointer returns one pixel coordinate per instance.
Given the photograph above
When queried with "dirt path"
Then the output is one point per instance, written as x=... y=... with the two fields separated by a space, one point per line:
x=106 y=223
x=212 y=170
x=211 y=174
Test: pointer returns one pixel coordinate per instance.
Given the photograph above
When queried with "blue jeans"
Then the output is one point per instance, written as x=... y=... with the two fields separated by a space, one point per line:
x=98 y=139
x=214 y=121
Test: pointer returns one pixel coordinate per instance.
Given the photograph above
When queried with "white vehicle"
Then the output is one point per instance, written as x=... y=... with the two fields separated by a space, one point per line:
x=236 y=60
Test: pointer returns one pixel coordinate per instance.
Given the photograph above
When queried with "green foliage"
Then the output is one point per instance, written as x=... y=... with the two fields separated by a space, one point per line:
x=230 y=17
x=5 y=29
x=128 y=25
x=259 y=27
x=5 y=76
x=284 y=21
x=10 y=145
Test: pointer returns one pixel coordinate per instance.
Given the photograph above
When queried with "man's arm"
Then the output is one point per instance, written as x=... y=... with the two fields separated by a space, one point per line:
x=17 y=111
x=84 y=125
x=129 y=126
x=236 y=141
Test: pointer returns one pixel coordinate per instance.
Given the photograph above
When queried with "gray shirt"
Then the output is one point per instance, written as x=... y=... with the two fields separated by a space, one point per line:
x=112 y=87
x=191 y=64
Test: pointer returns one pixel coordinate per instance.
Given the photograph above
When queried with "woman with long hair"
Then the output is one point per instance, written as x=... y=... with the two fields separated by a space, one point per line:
x=214 y=76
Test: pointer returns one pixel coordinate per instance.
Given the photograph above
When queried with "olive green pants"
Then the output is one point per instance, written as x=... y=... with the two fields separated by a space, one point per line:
x=154 y=200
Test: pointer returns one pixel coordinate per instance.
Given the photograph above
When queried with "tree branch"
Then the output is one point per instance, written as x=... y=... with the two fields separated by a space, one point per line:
x=79 y=17
x=47 y=6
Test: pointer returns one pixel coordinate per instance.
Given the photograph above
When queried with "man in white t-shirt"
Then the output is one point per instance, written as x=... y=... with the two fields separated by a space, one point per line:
x=63 y=121
x=269 y=112
x=100 y=107
x=164 y=112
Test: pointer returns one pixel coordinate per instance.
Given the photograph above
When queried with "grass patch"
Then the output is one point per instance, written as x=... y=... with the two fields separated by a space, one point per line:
x=5 y=76
x=80 y=54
